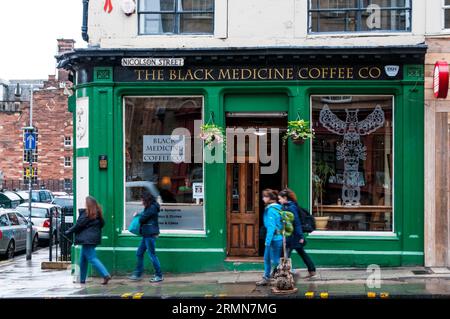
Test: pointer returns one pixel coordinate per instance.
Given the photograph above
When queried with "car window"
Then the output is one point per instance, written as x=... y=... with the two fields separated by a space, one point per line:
x=42 y=196
x=35 y=211
x=63 y=202
x=13 y=219
x=22 y=219
x=4 y=220
x=35 y=197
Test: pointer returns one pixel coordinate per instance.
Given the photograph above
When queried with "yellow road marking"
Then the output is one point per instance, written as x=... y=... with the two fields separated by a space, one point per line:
x=324 y=295
x=138 y=295
x=309 y=294
x=371 y=294
x=126 y=295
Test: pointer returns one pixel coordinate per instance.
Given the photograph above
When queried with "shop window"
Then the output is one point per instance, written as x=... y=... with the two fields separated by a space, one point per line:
x=352 y=163
x=164 y=163
x=446 y=14
x=359 y=15
x=176 y=16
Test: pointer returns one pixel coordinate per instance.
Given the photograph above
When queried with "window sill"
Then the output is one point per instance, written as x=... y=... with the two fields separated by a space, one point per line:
x=356 y=34
x=369 y=235
x=168 y=234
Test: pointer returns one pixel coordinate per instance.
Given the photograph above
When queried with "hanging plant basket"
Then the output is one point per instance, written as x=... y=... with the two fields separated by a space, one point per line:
x=212 y=134
x=298 y=131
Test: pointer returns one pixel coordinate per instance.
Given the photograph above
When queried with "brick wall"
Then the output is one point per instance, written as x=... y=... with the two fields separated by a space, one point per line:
x=53 y=121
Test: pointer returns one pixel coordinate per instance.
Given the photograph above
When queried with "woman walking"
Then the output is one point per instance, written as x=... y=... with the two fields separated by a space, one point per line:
x=88 y=234
x=296 y=241
x=274 y=238
x=149 y=230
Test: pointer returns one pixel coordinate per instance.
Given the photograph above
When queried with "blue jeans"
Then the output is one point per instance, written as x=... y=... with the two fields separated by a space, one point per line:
x=88 y=255
x=147 y=244
x=272 y=255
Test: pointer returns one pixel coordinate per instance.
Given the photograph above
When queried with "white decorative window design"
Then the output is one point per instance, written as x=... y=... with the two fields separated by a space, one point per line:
x=352 y=157
x=176 y=16
x=165 y=164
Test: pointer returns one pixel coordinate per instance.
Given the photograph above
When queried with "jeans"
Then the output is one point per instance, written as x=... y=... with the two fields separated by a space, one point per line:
x=305 y=257
x=88 y=255
x=147 y=244
x=272 y=255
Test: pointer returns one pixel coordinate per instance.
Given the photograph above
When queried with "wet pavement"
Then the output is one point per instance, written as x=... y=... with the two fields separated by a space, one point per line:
x=20 y=278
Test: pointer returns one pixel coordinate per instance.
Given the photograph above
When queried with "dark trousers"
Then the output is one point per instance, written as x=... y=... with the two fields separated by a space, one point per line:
x=305 y=257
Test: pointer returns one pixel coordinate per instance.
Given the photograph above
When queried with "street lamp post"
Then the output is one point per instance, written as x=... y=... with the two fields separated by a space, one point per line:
x=30 y=129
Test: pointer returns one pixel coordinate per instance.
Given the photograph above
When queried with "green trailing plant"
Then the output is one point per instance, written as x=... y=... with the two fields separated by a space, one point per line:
x=298 y=130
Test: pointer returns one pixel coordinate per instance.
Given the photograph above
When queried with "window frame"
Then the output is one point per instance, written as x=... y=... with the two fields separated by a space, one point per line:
x=444 y=8
x=358 y=9
x=177 y=15
x=67 y=138
x=163 y=232
x=348 y=233
x=69 y=161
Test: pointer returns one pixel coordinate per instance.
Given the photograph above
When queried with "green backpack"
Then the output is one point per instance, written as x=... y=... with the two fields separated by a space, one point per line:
x=287 y=218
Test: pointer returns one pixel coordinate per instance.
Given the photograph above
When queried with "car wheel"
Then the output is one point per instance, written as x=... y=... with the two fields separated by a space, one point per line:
x=10 y=250
x=35 y=243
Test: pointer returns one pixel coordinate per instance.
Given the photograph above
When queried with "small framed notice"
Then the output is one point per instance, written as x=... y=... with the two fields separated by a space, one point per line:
x=197 y=190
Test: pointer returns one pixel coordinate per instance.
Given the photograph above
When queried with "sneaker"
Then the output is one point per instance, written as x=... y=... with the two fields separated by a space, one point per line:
x=311 y=275
x=135 y=277
x=263 y=282
x=157 y=279
x=106 y=280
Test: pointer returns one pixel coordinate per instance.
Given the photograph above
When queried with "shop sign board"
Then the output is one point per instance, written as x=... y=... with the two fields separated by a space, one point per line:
x=441 y=79
x=164 y=148
x=258 y=73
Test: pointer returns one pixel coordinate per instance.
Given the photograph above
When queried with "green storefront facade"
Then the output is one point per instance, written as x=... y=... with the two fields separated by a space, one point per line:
x=289 y=83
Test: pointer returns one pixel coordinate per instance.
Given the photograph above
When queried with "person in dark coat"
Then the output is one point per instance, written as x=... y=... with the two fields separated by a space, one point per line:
x=88 y=234
x=297 y=240
x=149 y=230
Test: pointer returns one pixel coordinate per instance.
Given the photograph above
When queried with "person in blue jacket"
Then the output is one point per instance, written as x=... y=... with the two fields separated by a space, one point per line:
x=274 y=238
x=149 y=230
x=297 y=240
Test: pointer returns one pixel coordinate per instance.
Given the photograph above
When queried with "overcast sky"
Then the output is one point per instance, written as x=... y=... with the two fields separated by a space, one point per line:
x=28 y=33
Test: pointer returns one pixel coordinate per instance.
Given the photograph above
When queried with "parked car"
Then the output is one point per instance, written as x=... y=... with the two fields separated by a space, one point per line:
x=25 y=195
x=42 y=196
x=60 y=194
x=13 y=233
x=40 y=216
x=63 y=201
x=9 y=199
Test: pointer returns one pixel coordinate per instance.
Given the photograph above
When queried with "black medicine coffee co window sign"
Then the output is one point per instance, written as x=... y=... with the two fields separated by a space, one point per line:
x=175 y=71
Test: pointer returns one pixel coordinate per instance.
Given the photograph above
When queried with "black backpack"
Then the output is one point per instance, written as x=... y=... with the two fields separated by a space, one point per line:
x=308 y=220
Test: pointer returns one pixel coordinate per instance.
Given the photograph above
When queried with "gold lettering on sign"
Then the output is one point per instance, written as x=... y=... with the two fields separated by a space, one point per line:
x=224 y=74
x=208 y=74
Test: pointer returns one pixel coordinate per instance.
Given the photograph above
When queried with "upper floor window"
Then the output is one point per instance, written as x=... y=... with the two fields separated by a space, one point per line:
x=67 y=141
x=446 y=14
x=176 y=16
x=359 y=15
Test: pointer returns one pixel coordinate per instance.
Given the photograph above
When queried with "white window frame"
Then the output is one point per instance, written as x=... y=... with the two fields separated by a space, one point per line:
x=67 y=161
x=163 y=232
x=444 y=7
x=176 y=12
x=349 y=233
x=67 y=138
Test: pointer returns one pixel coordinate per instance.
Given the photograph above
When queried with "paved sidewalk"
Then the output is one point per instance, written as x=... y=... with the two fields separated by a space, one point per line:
x=22 y=279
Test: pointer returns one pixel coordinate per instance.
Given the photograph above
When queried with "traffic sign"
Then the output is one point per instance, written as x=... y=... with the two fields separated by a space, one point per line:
x=30 y=141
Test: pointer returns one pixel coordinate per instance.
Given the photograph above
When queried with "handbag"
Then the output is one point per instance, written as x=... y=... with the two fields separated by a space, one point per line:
x=135 y=225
